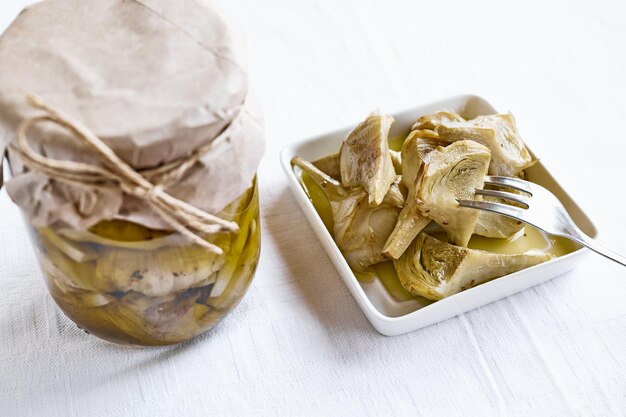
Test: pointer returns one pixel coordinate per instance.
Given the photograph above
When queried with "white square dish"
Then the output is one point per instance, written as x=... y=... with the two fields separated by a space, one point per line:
x=389 y=316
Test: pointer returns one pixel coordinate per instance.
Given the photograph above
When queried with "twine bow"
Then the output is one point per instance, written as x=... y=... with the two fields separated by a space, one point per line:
x=148 y=185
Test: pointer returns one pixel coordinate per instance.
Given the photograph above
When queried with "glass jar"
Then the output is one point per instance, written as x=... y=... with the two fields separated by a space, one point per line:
x=129 y=284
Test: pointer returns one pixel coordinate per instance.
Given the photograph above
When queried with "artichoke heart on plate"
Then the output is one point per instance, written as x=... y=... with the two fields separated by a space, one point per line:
x=410 y=221
x=396 y=160
x=365 y=159
x=431 y=121
x=495 y=225
x=329 y=165
x=498 y=132
x=414 y=150
x=434 y=269
x=359 y=230
x=448 y=174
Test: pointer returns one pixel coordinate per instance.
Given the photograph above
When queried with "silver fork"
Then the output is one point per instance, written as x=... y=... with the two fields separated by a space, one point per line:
x=542 y=209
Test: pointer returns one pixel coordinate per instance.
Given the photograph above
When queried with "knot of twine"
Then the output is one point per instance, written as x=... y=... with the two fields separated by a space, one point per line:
x=147 y=185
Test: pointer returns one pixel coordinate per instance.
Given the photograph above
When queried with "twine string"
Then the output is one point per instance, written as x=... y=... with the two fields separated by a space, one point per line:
x=148 y=185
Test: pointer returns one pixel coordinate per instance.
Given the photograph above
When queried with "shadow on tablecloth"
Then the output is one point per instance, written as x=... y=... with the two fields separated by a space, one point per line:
x=308 y=267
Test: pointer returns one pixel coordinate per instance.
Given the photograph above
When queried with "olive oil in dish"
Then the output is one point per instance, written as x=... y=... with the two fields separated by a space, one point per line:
x=527 y=239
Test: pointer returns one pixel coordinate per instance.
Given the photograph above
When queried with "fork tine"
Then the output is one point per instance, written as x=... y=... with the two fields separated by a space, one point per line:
x=504 y=209
x=507 y=196
x=515 y=183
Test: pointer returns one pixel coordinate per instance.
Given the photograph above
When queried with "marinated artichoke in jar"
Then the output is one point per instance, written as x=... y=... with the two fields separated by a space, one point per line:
x=130 y=284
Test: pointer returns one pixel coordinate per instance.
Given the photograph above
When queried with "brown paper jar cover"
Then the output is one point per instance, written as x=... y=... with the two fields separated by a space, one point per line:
x=153 y=79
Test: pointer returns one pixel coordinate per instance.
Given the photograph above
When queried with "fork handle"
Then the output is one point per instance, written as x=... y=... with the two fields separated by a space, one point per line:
x=585 y=240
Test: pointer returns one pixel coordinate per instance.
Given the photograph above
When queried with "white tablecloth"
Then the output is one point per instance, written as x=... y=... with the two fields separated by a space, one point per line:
x=298 y=345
